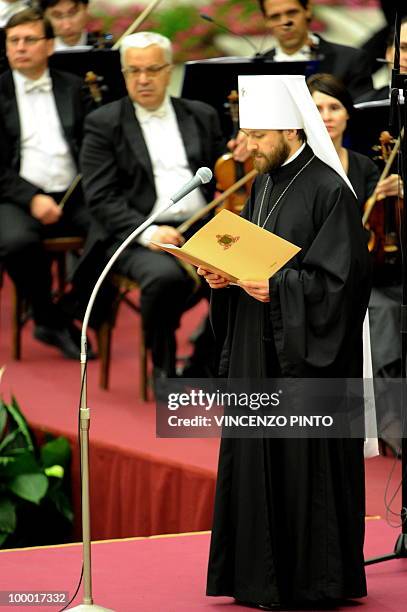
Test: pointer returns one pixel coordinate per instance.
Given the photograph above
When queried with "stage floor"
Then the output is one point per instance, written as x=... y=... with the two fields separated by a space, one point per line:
x=168 y=573
x=141 y=485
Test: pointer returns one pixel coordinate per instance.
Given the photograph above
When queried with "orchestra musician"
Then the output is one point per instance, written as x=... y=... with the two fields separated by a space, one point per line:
x=8 y=8
x=137 y=152
x=69 y=19
x=335 y=105
x=288 y=21
x=41 y=120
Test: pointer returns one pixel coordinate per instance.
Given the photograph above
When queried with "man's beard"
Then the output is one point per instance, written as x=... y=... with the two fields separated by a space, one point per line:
x=267 y=163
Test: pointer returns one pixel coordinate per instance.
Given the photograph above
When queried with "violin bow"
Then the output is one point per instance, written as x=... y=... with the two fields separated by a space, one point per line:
x=137 y=22
x=69 y=191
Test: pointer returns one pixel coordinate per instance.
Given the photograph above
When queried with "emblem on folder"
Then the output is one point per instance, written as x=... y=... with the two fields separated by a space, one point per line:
x=226 y=240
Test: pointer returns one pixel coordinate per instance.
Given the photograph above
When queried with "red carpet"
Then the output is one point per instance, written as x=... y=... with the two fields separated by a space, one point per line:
x=168 y=574
x=141 y=485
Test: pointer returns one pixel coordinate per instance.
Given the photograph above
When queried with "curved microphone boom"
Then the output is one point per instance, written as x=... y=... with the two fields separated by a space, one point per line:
x=229 y=31
x=203 y=175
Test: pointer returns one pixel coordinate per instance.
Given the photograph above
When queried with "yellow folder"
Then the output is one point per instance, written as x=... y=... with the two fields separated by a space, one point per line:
x=234 y=248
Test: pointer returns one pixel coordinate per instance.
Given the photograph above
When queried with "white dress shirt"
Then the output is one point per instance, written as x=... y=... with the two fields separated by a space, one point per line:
x=170 y=165
x=303 y=54
x=59 y=44
x=46 y=160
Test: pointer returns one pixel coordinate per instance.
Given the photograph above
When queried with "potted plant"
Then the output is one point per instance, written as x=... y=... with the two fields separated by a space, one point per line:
x=35 y=506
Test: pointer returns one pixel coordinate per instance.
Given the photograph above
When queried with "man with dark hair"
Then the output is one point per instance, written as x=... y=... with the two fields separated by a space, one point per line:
x=288 y=21
x=69 y=19
x=41 y=116
x=289 y=518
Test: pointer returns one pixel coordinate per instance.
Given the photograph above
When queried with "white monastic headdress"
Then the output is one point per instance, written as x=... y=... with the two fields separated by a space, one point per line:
x=283 y=102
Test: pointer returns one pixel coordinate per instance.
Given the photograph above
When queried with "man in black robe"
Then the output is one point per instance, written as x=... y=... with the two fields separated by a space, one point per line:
x=289 y=513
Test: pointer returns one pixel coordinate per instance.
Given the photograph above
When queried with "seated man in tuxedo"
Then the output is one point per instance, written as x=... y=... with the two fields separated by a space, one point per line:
x=137 y=152
x=288 y=21
x=69 y=19
x=41 y=120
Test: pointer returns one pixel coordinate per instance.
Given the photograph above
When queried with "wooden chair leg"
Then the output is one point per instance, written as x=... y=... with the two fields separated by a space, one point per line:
x=143 y=366
x=104 y=349
x=61 y=272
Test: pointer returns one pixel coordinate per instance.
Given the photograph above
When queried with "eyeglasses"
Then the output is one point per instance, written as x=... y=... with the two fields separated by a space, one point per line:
x=150 y=71
x=30 y=41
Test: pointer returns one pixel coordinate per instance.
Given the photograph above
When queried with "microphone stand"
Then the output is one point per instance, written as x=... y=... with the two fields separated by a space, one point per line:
x=399 y=81
x=88 y=604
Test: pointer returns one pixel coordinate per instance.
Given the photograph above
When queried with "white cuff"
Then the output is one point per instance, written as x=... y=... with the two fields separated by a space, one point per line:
x=144 y=238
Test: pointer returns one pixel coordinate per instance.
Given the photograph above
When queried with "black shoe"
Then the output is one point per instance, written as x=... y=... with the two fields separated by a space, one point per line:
x=67 y=339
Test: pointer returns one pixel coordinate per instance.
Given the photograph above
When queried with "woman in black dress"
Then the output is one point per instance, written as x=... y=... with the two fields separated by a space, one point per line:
x=335 y=106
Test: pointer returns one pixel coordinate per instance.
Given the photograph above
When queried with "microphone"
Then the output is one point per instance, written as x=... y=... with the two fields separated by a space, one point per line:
x=229 y=31
x=202 y=176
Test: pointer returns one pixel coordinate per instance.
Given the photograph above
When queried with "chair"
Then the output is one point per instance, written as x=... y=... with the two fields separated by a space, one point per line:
x=123 y=285
x=58 y=249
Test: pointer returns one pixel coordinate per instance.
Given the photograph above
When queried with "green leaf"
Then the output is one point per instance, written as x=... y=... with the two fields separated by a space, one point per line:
x=8 y=517
x=4 y=461
x=31 y=487
x=62 y=502
x=3 y=417
x=56 y=452
x=56 y=471
x=16 y=414
x=9 y=440
x=3 y=538
x=23 y=463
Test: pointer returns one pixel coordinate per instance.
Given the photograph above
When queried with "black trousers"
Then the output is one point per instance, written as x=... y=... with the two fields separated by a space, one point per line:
x=26 y=261
x=167 y=290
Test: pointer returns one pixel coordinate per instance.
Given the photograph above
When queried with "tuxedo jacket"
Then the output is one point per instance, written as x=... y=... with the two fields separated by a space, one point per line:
x=72 y=104
x=375 y=94
x=346 y=63
x=118 y=178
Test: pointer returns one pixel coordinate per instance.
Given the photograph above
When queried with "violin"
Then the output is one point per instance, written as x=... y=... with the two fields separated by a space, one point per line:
x=382 y=218
x=228 y=171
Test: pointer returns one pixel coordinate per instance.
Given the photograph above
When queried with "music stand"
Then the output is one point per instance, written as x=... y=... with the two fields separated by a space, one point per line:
x=104 y=63
x=222 y=73
x=367 y=122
